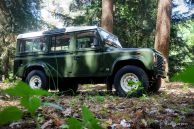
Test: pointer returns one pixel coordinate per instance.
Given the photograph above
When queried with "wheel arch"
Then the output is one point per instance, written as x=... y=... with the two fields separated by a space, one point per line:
x=47 y=69
x=119 y=64
x=29 y=68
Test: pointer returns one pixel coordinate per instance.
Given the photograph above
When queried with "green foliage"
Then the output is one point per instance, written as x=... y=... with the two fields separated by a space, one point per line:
x=181 y=46
x=88 y=121
x=21 y=89
x=31 y=104
x=138 y=85
x=131 y=83
x=74 y=123
x=29 y=100
x=92 y=15
x=185 y=76
x=144 y=97
x=100 y=99
x=134 y=22
x=10 y=114
x=17 y=16
x=186 y=109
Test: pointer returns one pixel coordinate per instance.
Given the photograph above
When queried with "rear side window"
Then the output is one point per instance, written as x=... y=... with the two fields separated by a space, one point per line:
x=60 y=42
x=33 y=45
x=87 y=40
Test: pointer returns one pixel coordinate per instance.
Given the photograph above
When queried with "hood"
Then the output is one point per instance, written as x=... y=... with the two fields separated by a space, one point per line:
x=135 y=49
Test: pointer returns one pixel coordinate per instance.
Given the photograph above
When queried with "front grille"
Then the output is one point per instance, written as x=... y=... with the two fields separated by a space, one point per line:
x=160 y=62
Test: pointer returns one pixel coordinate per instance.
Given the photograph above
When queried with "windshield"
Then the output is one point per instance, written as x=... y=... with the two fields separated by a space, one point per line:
x=110 y=39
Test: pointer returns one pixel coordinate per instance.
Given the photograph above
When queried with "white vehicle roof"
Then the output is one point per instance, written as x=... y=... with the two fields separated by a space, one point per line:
x=55 y=31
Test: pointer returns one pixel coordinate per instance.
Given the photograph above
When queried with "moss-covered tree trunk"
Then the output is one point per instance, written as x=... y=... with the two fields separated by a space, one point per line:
x=107 y=15
x=5 y=59
x=163 y=28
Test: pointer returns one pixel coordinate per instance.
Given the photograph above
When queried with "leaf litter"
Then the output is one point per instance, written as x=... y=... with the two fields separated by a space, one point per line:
x=171 y=108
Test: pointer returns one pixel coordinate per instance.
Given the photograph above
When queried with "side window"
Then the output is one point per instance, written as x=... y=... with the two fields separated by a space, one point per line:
x=60 y=42
x=87 y=40
x=33 y=45
x=28 y=46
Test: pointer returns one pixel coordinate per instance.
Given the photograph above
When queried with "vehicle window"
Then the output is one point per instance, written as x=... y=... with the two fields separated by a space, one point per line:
x=86 y=40
x=33 y=45
x=110 y=39
x=60 y=42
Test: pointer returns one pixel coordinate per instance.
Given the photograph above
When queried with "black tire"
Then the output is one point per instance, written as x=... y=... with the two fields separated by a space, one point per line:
x=139 y=76
x=39 y=78
x=155 y=85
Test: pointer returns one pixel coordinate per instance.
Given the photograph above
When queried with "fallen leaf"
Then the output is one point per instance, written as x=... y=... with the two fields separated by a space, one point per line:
x=125 y=124
x=67 y=112
x=57 y=122
x=46 y=124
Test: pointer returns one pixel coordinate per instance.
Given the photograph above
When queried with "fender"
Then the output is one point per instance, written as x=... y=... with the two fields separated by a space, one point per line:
x=49 y=71
x=147 y=61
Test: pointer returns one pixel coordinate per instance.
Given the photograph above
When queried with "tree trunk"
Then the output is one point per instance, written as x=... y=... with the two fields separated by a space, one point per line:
x=107 y=15
x=5 y=60
x=163 y=29
x=6 y=66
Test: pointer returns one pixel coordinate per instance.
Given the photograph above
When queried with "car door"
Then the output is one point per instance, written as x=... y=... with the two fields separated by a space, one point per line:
x=88 y=56
x=61 y=54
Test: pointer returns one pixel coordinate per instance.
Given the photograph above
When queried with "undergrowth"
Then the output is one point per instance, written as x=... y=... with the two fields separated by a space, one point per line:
x=30 y=101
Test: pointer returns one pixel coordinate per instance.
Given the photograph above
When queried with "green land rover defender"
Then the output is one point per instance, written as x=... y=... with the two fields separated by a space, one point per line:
x=65 y=58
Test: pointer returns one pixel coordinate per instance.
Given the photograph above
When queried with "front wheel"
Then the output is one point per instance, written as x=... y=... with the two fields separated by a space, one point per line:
x=36 y=79
x=131 y=81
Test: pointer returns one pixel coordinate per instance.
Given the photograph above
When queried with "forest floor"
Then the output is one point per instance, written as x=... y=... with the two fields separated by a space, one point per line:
x=171 y=108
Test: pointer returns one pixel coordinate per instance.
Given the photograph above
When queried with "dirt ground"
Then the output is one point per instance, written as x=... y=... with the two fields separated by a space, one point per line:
x=171 y=108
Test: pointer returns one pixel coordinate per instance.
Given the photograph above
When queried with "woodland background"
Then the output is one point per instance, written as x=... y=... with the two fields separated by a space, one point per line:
x=134 y=22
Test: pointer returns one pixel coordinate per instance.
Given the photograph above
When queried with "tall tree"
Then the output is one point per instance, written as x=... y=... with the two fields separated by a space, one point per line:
x=107 y=15
x=163 y=28
x=16 y=17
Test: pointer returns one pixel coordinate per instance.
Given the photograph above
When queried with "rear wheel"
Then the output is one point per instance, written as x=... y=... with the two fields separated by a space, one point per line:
x=36 y=79
x=130 y=81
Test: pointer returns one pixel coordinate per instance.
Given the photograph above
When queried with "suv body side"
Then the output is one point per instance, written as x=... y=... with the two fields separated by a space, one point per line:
x=80 y=62
x=82 y=55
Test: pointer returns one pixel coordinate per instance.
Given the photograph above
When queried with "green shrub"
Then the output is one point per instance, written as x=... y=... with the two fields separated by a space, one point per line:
x=29 y=100
x=88 y=121
x=185 y=76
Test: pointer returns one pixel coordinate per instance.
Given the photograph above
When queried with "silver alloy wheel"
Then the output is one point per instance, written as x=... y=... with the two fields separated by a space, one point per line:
x=35 y=82
x=125 y=80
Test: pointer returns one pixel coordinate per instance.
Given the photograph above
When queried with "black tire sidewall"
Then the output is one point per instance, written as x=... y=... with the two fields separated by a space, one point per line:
x=142 y=76
x=39 y=73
